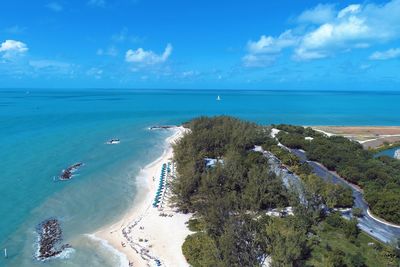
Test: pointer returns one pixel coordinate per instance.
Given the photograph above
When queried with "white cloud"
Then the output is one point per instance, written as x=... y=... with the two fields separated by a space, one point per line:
x=304 y=54
x=264 y=51
x=56 y=7
x=98 y=3
x=351 y=9
x=355 y=26
x=255 y=61
x=12 y=48
x=384 y=55
x=320 y=14
x=346 y=32
x=144 y=57
x=270 y=45
x=326 y=31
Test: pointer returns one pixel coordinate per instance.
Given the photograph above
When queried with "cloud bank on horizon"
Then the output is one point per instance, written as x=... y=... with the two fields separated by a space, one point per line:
x=326 y=31
x=208 y=45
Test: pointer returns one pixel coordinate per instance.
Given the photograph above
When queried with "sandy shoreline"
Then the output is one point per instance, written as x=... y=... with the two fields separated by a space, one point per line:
x=142 y=235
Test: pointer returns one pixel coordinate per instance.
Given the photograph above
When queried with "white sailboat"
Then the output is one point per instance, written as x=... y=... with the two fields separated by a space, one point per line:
x=218 y=98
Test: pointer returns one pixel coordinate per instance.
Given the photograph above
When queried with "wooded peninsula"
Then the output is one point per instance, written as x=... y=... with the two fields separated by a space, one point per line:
x=232 y=199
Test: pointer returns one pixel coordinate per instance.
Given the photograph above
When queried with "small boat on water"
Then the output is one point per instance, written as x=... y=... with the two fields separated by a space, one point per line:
x=68 y=172
x=113 y=142
x=218 y=98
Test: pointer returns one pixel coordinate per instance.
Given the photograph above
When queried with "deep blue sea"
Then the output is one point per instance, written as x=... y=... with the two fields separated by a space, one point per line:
x=45 y=131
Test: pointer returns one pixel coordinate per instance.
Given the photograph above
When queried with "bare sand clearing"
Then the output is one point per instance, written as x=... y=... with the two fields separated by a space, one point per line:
x=368 y=136
x=147 y=234
x=361 y=130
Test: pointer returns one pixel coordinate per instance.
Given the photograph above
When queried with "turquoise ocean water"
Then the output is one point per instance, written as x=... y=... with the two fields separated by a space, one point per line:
x=45 y=131
x=388 y=152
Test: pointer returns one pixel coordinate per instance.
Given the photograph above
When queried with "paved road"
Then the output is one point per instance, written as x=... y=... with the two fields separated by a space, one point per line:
x=368 y=224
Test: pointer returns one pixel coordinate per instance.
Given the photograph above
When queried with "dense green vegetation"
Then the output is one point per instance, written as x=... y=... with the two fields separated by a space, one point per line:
x=379 y=177
x=228 y=196
x=244 y=174
x=230 y=200
x=332 y=195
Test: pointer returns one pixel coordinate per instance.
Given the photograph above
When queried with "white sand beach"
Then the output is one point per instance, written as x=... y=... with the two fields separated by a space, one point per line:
x=148 y=234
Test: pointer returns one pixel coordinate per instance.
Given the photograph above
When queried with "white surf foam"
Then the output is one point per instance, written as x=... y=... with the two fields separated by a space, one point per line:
x=123 y=260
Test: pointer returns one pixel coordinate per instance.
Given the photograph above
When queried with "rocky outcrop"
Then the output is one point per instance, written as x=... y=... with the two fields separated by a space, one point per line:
x=50 y=237
x=67 y=173
x=162 y=127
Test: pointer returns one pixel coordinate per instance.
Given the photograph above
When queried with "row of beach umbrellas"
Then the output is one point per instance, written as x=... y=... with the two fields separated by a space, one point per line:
x=161 y=185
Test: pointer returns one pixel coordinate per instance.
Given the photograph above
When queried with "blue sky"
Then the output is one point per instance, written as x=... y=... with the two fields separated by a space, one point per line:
x=259 y=44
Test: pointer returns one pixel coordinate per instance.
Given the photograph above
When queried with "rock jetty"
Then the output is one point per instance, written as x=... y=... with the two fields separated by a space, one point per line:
x=50 y=237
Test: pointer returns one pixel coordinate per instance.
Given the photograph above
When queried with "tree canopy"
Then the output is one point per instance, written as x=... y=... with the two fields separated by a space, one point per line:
x=230 y=202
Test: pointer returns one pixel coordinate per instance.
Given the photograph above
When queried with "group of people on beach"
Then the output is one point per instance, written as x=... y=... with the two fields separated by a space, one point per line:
x=167 y=171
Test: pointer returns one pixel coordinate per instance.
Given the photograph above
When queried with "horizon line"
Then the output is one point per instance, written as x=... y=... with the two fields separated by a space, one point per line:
x=200 y=89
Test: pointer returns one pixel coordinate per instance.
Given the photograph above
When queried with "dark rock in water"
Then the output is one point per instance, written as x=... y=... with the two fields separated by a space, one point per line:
x=50 y=237
x=157 y=127
x=67 y=173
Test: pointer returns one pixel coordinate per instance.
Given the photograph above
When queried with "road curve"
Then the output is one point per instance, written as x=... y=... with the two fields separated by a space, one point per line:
x=375 y=227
